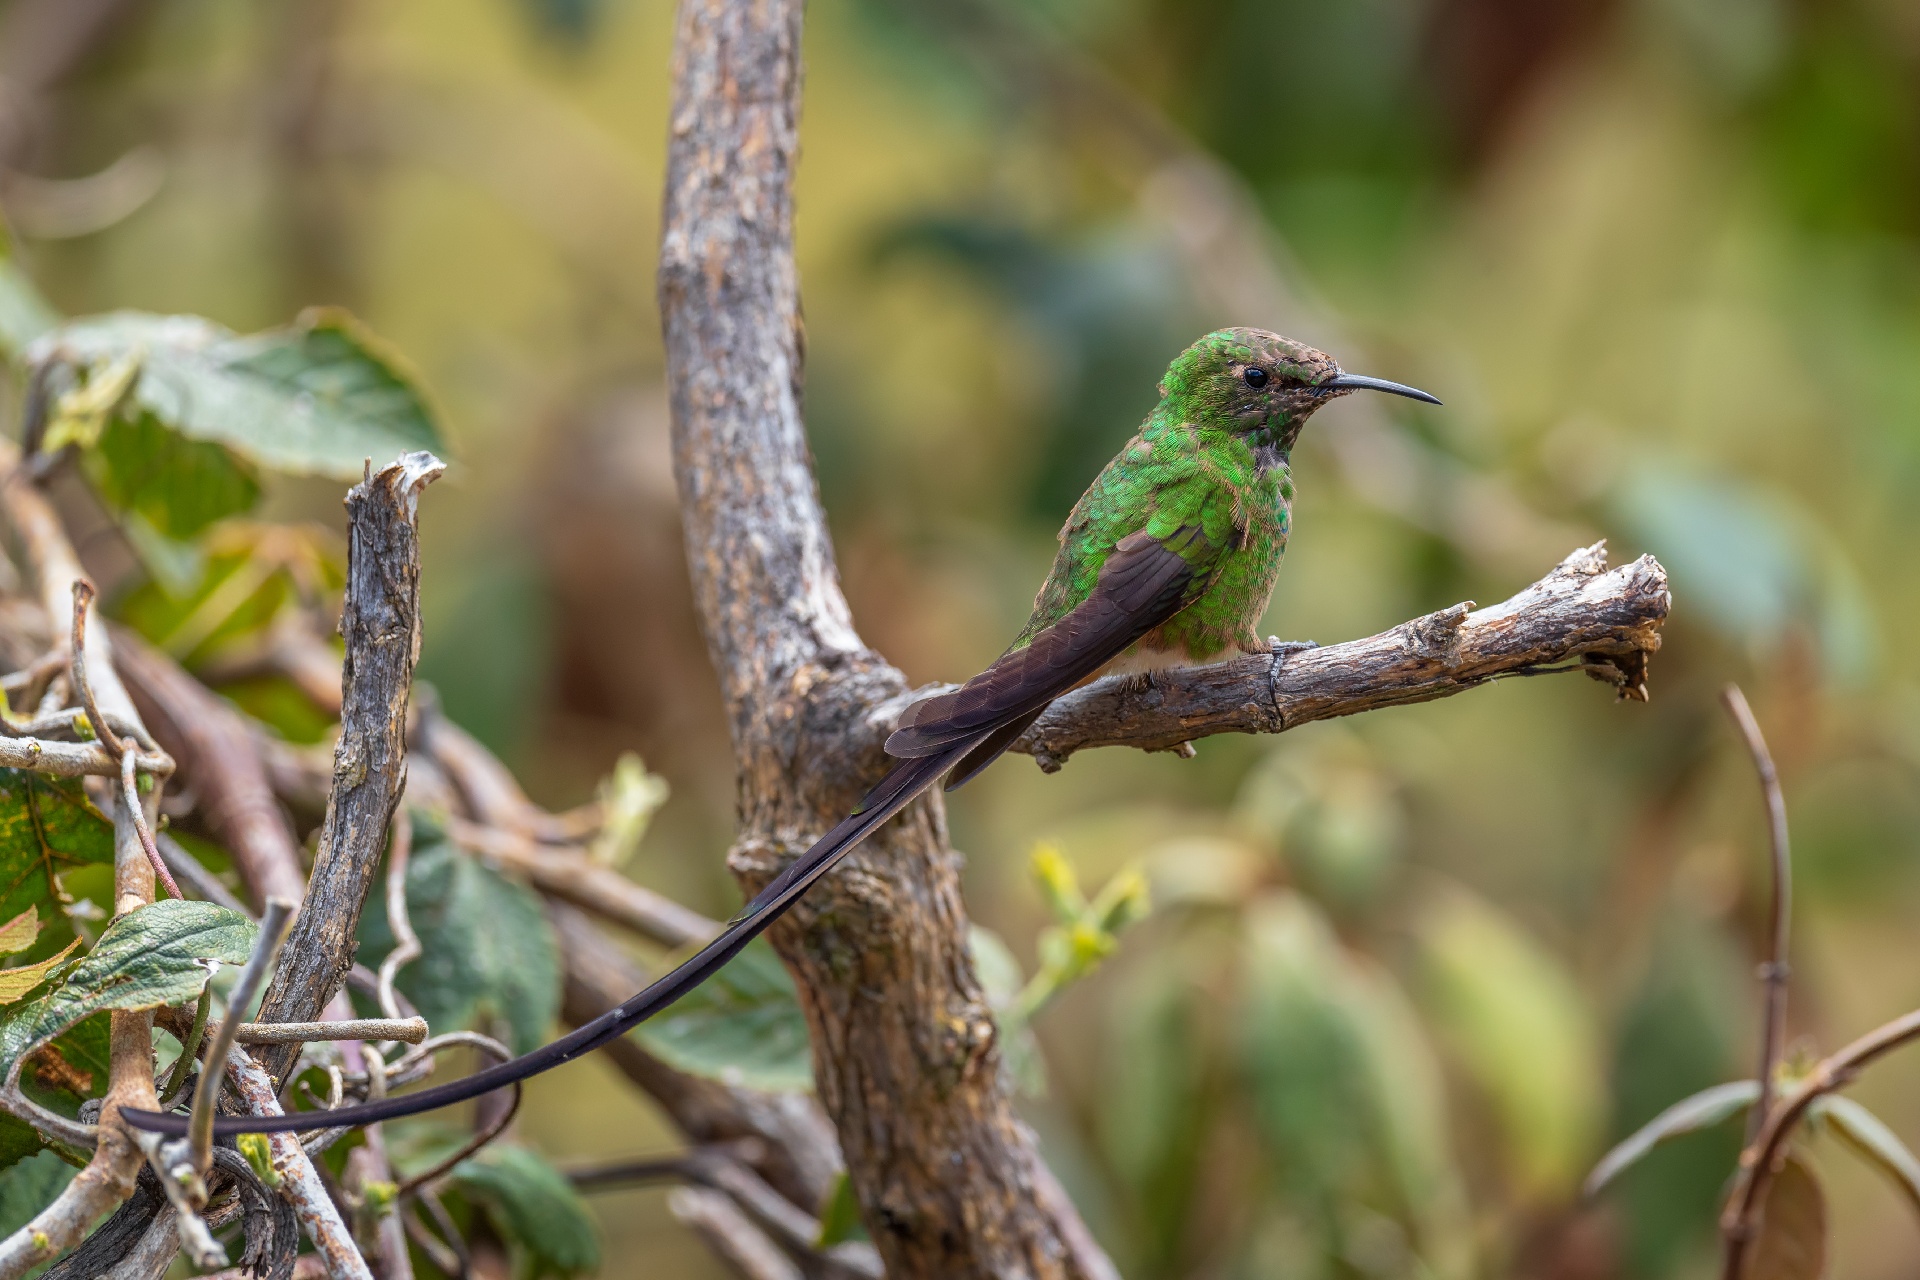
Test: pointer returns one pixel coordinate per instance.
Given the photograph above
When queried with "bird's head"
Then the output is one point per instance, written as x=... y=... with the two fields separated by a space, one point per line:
x=1265 y=385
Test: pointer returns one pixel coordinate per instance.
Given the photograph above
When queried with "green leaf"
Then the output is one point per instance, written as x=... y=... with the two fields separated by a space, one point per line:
x=1793 y=1236
x=30 y=1186
x=1513 y=1017
x=47 y=828
x=1870 y=1138
x=24 y=314
x=317 y=397
x=178 y=485
x=742 y=1026
x=489 y=951
x=1702 y=1110
x=533 y=1206
x=840 y=1215
x=154 y=956
x=18 y=1141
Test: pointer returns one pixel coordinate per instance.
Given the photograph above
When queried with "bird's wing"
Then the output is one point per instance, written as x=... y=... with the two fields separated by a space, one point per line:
x=1145 y=581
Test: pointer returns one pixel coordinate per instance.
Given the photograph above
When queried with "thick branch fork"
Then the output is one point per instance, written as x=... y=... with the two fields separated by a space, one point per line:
x=1582 y=616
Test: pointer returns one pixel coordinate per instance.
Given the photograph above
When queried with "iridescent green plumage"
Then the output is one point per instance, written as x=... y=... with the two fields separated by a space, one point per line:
x=1212 y=455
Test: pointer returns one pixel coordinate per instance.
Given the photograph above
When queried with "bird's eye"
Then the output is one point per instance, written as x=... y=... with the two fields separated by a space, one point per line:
x=1256 y=376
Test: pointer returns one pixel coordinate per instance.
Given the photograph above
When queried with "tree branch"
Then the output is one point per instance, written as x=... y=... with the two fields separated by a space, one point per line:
x=381 y=623
x=1603 y=622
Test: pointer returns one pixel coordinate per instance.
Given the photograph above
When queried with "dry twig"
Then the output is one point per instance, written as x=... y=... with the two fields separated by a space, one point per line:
x=259 y=966
x=1774 y=972
x=381 y=623
x=406 y=943
x=300 y=1180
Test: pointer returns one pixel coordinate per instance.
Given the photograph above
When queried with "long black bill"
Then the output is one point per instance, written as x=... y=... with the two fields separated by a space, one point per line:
x=1360 y=382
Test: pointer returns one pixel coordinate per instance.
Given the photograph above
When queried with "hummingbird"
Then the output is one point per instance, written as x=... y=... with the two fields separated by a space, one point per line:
x=1169 y=559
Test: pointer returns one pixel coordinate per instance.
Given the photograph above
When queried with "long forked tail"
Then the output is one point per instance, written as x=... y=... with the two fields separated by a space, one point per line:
x=897 y=790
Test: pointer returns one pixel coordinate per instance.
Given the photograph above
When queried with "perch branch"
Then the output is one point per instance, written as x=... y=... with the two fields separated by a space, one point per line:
x=1580 y=617
x=381 y=623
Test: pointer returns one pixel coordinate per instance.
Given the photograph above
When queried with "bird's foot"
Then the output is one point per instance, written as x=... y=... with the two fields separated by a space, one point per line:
x=1281 y=650
x=1134 y=683
x=1284 y=649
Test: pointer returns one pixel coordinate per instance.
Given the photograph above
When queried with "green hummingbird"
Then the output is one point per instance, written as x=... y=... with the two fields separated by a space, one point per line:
x=1169 y=559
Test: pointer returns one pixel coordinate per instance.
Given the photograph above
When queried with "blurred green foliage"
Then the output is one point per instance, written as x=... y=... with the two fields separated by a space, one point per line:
x=1406 y=978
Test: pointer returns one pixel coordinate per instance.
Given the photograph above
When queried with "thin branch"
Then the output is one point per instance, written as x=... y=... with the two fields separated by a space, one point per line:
x=444 y=1259
x=1608 y=620
x=392 y=1030
x=381 y=623
x=77 y=656
x=449 y=1231
x=69 y=759
x=496 y=1125
x=406 y=947
x=122 y=749
x=300 y=1181
x=1740 y=1224
x=681 y=1166
x=1774 y=973
x=368 y=1164
x=724 y=1167
x=189 y=1048
x=259 y=967
x=130 y=788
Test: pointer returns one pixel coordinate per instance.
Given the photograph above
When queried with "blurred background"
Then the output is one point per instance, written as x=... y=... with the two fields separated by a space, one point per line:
x=1405 y=977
